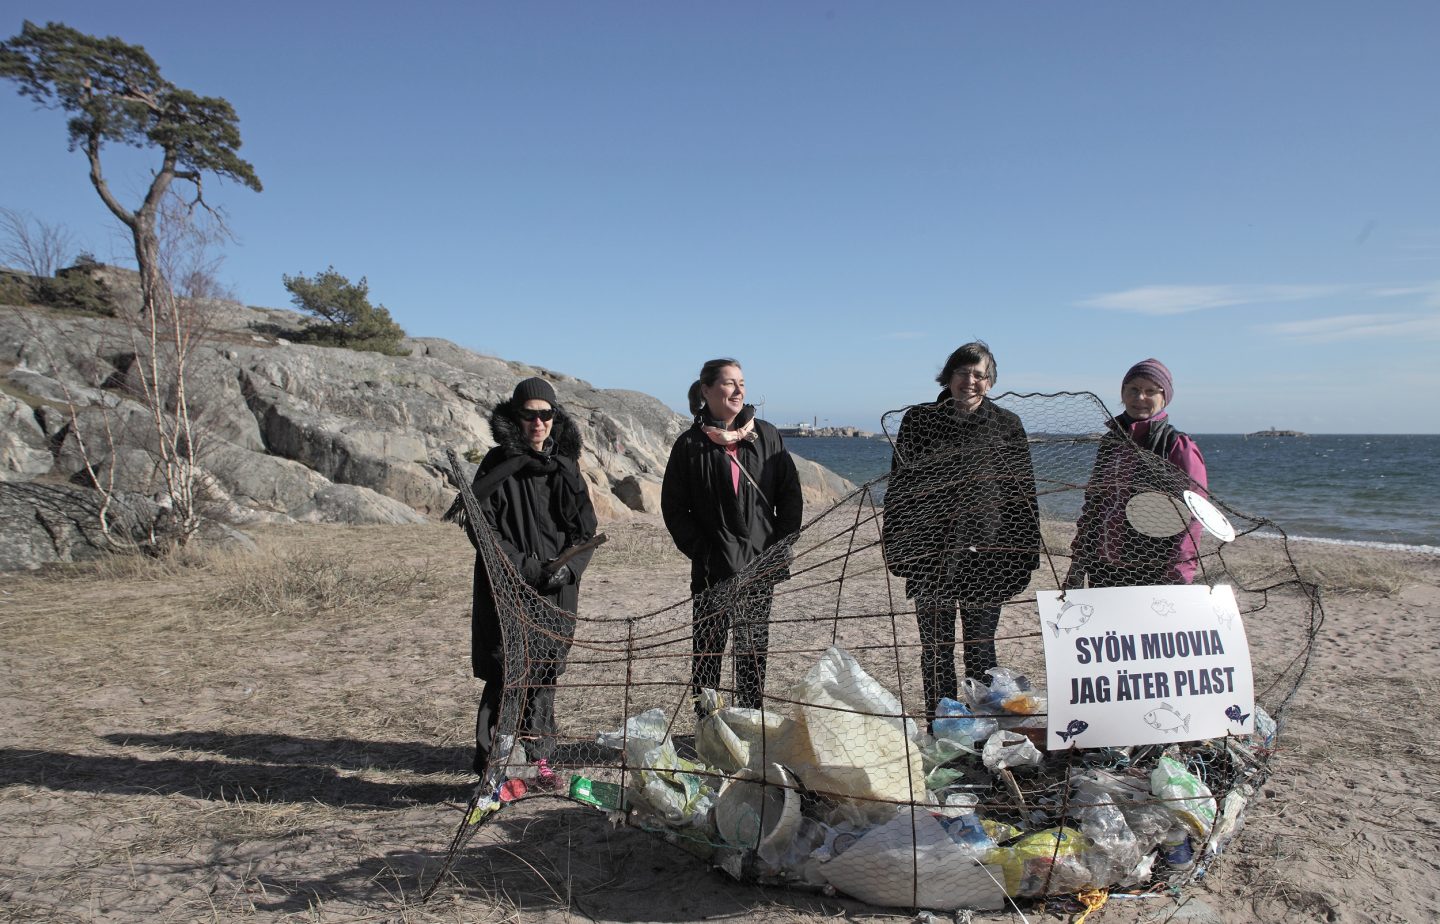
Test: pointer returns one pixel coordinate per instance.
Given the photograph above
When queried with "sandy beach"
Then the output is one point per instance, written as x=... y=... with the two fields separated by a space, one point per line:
x=285 y=735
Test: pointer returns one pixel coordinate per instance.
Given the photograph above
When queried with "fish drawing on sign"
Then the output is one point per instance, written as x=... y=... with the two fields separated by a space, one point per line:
x=1071 y=617
x=1073 y=729
x=1162 y=607
x=1167 y=719
x=1235 y=715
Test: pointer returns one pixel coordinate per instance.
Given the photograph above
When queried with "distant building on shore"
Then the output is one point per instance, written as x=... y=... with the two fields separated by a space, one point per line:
x=803 y=429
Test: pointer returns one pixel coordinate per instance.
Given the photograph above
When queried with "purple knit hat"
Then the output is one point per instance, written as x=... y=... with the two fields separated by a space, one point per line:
x=1154 y=370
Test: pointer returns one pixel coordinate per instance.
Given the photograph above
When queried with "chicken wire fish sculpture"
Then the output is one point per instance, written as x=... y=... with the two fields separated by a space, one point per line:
x=900 y=752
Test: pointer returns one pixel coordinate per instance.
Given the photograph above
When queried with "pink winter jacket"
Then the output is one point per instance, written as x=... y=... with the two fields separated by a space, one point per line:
x=1102 y=534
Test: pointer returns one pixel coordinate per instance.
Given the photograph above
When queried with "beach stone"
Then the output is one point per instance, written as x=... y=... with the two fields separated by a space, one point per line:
x=24 y=453
x=640 y=495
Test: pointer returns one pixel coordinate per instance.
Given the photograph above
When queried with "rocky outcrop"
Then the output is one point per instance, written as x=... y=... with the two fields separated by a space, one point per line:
x=287 y=432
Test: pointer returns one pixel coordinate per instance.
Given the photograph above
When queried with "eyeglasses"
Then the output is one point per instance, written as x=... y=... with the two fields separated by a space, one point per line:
x=527 y=415
x=971 y=374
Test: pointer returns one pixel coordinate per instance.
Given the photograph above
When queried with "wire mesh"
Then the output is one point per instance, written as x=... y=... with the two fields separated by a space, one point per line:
x=822 y=755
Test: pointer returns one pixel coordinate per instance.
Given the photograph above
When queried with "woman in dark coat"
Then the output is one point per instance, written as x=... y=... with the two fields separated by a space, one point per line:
x=532 y=495
x=962 y=525
x=730 y=493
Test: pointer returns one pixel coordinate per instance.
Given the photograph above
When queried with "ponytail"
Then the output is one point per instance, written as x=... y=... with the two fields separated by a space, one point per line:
x=709 y=375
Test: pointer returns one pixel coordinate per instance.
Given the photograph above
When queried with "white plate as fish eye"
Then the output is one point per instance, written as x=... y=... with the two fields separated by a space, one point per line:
x=1152 y=513
x=1210 y=517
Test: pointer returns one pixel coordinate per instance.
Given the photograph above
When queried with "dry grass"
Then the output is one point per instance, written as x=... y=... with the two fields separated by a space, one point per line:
x=285 y=736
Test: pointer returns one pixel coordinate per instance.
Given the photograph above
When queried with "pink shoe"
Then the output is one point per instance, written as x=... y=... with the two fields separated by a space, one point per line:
x=545 y=776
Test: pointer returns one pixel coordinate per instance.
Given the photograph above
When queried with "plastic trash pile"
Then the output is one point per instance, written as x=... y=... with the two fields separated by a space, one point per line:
x=844 y=792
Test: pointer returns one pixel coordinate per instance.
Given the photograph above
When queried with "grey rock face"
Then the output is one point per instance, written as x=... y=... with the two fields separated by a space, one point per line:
x=286 y=432
x=24 y=451
x=43 y=524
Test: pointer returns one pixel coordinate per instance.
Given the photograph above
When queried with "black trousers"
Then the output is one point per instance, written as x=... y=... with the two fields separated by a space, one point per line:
x=936 y=618
x=540 y=660
x=746 y=612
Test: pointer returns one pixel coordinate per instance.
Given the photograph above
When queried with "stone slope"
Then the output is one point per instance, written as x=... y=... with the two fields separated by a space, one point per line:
x=291 y=432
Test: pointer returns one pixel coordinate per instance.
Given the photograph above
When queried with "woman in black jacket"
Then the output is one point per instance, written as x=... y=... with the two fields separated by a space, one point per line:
x=962 y=525
x=532 y=495
x=730 y=493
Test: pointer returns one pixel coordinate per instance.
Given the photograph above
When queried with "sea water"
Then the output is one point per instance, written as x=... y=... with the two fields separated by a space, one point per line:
x=1377 y=490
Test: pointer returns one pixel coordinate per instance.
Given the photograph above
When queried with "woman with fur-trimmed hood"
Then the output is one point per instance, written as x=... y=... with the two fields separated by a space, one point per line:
x=530 y=489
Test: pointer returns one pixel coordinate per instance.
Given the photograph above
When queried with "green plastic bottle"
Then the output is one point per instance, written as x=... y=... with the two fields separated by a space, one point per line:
x=597 y=793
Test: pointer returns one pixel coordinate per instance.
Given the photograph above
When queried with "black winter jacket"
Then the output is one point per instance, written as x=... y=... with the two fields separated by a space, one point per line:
x=961 y=518
x=719 y=531
x=537 y=511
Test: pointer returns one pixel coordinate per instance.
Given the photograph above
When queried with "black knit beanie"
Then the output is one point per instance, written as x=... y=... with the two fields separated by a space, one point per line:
x=533 y=388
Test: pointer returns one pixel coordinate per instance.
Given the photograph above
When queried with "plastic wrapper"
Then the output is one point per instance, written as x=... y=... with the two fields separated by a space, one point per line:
x=763 y=815
x=1007 y=700
x=1265 y=727
x=1185 y=795
x=1148 y=820
x=1230 y=820
x=912 y=861
x=1009 y=749
x=1049 y=862
x=955 y=721
x=663 y=782
x=732 y=738
x=1114 y=850
x=851 y=743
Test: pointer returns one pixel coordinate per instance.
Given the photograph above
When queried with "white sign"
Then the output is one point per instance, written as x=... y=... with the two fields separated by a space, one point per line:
x=1145 y=665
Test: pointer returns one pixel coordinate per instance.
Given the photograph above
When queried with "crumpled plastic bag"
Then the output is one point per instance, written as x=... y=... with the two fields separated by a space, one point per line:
x=1116 y=852
x=662 y=780
x=956 y=721
x=1008 y=699
x=1186 y=796
x=850 y=741
x=912 y=861
x=1009 y=749
x=1049 y=862
x=1147 y=819
x=732 y=738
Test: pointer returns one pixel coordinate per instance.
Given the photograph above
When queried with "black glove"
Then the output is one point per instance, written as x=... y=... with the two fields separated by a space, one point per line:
x=532 y=571
x=557 y=579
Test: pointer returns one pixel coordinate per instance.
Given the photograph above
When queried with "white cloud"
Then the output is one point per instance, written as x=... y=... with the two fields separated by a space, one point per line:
x=1359 y=326
x=1166 y=300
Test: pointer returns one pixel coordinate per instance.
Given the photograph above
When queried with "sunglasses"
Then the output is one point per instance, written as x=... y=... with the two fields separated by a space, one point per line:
x=527 y=415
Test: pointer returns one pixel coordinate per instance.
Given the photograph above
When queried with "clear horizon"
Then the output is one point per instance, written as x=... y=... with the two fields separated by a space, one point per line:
x=837 y=196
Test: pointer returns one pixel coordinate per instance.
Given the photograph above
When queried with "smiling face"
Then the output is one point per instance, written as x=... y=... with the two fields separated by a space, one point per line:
x=1143 y=397
x=970 y=383
x=537 y=431
x=726 y=397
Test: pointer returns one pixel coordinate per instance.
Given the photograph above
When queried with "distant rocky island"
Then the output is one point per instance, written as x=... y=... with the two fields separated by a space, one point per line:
x=1273 y=432
x=804 y=430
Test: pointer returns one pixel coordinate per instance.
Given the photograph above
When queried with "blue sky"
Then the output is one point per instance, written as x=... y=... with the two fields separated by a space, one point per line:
x=837 y=193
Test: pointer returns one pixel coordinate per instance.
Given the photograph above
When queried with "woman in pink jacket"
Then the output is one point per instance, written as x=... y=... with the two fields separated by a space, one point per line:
x=1143 y=452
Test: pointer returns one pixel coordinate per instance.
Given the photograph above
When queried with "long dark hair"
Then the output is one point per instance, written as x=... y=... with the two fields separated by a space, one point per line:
x=970 y=354
x=709 y=375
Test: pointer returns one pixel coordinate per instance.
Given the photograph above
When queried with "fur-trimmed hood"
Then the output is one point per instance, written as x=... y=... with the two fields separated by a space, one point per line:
x=564 y=434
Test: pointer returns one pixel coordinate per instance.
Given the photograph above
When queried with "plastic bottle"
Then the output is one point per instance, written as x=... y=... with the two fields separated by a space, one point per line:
x=596 y=793
x=1177 y=849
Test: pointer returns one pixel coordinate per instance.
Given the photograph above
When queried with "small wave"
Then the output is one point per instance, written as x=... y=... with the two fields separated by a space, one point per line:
x=1356 y=543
